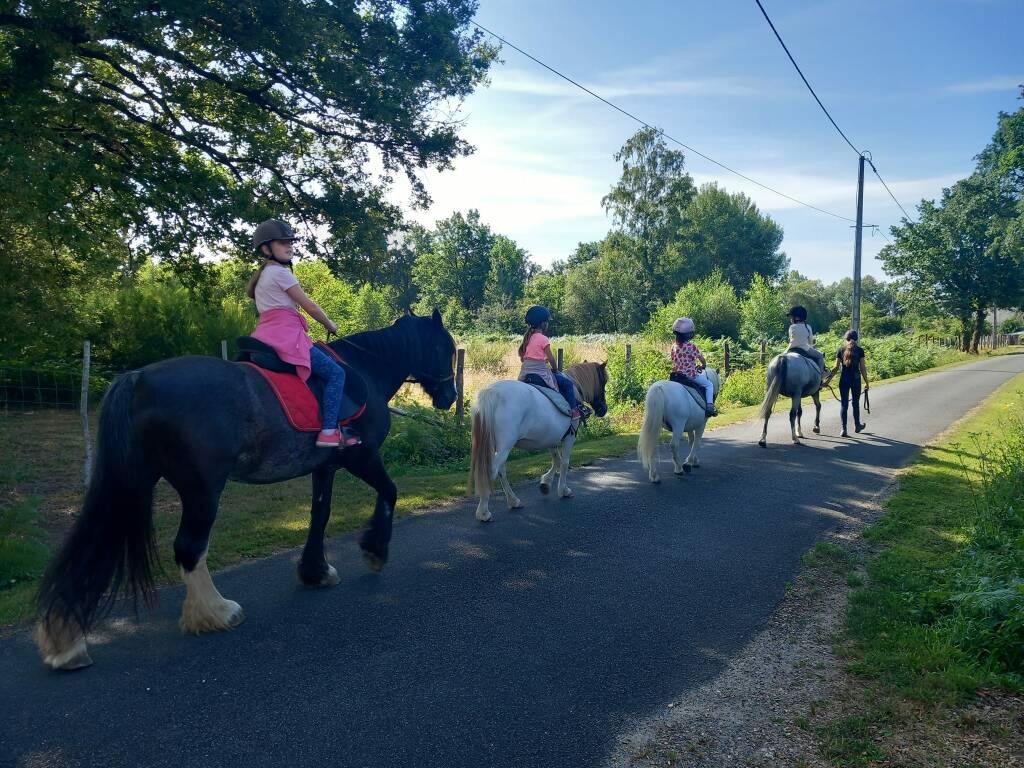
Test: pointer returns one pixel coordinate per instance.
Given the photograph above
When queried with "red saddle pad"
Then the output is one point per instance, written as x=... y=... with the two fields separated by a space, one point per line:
x=297 y=401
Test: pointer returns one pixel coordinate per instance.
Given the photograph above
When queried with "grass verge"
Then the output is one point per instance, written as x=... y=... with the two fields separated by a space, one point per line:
x=936 y=636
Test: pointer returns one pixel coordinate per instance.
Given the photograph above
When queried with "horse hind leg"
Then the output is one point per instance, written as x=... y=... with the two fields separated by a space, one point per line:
x=204 y=609
x=694 y=436
x=817 y=413
x=678 y=466
x=763 y=442
x=564 y=451
x=794 y=421
x=510 y=496
x=548 y=477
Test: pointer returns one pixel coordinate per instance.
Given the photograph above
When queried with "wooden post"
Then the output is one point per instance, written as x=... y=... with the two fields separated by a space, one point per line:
x=224 y=348
x=629 y=359
x=84 y=407
x=460 y=369
x=725 y=359
x=559 y=358
x=764 y=350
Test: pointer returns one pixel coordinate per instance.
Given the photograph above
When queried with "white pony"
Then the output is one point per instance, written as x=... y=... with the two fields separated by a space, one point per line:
x=672 y=406
x=510 y=414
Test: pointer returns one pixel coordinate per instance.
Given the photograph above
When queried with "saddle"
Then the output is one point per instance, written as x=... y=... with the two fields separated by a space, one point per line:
x=551 y=394
x=282 y=378
x=695 y=389
x=804 y=354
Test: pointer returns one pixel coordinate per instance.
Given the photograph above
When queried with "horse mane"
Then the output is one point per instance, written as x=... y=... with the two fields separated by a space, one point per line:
x=587 y=376
x=397 y=340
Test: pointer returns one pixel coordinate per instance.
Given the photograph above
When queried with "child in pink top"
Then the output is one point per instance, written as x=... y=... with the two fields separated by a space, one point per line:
x=535 y=353
x=685 y=356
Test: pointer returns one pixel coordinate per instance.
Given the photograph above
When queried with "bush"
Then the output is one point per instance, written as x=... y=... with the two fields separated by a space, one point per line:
x=426 y=438
x=711 y=303
x=745 y=387
x=629 y=384
x=484 y=355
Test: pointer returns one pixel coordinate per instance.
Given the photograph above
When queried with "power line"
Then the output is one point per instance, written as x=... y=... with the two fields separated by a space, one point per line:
x=799 y=72
x=889 y=190
x=823 y=109
x=648 y=125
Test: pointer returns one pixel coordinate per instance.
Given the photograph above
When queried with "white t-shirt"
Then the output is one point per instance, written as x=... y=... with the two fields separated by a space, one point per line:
x=801 y=335
x=272 y=287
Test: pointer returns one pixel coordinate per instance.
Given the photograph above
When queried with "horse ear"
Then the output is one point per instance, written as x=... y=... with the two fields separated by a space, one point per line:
x=604 y=364
x=584 y=359
x=437 y=317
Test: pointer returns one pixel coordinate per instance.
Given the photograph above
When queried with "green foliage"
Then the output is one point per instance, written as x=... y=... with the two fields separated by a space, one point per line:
x=710 y=302
x=23 y=555
x=725 y=232
x=609 y=293
x=483 y=354
x=762 y=312
x=548 y=289
x=629 y=383
x=426 y=438
x=744 y=387
x=456 y=267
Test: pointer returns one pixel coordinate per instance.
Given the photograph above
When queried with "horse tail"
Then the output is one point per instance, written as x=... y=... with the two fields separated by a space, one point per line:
x=481 y=466
x=776 y=377
x=110 y=547
x=654 y=418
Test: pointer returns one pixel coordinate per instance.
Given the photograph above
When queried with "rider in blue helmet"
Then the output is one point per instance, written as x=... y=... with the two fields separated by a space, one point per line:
x=535 y=352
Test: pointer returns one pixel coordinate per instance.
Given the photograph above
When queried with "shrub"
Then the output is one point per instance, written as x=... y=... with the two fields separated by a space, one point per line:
x=426 y=438
x=712 y=304
x=745 y=387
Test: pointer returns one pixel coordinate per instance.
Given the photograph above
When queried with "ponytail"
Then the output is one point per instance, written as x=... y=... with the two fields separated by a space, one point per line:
x=848 y=347
x=250 y=289
x=526 y=340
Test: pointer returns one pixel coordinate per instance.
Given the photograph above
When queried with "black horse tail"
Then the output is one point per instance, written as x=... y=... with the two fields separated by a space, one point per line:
x=111 y=547
x=776 y=381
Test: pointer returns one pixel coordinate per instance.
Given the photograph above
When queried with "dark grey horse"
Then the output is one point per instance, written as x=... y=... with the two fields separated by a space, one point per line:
x=794 y=376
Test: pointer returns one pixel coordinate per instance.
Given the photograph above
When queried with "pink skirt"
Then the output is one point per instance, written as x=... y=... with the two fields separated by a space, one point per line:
x=288 y=333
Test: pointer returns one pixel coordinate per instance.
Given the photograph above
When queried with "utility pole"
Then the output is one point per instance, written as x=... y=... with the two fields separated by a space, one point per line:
x=855 y=319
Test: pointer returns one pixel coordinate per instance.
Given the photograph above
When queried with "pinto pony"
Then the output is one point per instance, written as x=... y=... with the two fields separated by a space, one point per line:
x=513 y=414
x=670 y=405
x=198 y=422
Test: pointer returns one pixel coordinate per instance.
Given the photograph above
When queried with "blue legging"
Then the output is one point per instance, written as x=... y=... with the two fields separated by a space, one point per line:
x=567 y=388
x=333 y=376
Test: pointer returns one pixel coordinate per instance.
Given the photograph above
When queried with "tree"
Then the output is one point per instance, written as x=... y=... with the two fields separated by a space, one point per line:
x=509 y=271
x=817 y=298
x=762 y=312
x=135 y=130
x=453 y=272
x=710 y=302
x=548 y=289
x=957 y=257
x=727 y=232
x=648 y=201
x=610 y=293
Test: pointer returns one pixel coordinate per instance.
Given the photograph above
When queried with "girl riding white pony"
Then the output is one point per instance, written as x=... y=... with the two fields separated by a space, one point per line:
x=515 y=414
x=678 y=404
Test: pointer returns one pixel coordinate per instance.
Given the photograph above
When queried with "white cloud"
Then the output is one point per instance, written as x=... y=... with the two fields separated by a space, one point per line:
x=999 y=83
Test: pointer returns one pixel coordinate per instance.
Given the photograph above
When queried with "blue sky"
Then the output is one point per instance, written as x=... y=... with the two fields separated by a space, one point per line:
x=919 y=84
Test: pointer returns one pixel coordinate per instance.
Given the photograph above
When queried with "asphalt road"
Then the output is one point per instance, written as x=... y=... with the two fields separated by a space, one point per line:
x=530 y=641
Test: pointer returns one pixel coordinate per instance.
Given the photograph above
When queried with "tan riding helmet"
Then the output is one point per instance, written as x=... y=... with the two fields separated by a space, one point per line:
x=272 y=229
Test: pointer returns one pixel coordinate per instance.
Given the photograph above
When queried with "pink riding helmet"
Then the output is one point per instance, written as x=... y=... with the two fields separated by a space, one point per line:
x=683 y=325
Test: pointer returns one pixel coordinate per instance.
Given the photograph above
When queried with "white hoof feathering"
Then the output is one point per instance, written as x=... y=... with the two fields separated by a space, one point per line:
x=61 y=646
x=331 y=578
x=515 y=504
x=483 y=515
x=205 y=609
x=565 y=493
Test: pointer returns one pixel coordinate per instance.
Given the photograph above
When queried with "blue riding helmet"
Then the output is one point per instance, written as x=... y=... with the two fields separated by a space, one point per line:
x=536 y=315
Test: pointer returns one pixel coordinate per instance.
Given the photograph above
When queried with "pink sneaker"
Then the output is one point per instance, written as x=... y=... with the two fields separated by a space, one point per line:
x=324 y=440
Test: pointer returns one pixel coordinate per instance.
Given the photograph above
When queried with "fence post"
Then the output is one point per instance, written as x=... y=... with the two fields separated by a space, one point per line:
x=84 y=407
x=725 y=359
x=629 y=359
x=460 y=368
x=224 y=348
x=764 y=350
x=559 y=359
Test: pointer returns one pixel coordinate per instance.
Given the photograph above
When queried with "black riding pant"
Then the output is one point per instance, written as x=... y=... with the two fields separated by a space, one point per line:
x=846 y=389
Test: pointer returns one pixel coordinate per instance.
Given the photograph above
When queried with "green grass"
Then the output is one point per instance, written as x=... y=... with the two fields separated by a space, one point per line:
x=942 y=612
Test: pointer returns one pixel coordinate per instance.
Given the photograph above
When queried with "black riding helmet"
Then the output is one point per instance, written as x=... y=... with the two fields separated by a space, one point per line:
x=798 y=313
x=536 y=315
x=272 y=229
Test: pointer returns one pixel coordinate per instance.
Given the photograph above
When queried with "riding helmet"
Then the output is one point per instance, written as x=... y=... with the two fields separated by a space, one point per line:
x=536 y=315
x=272 y=229
x=798 y=313
x=683 y=325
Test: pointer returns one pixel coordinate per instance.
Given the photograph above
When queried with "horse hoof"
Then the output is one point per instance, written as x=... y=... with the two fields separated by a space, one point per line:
x=483 y=517
x=566 y=494
x=237 y=615
x=517 y=504
x=373 y=562
x=816 y=430
x=544 y=488
x=331 y=578
x=762 y=443
x=77 y=657
x=655 y=479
